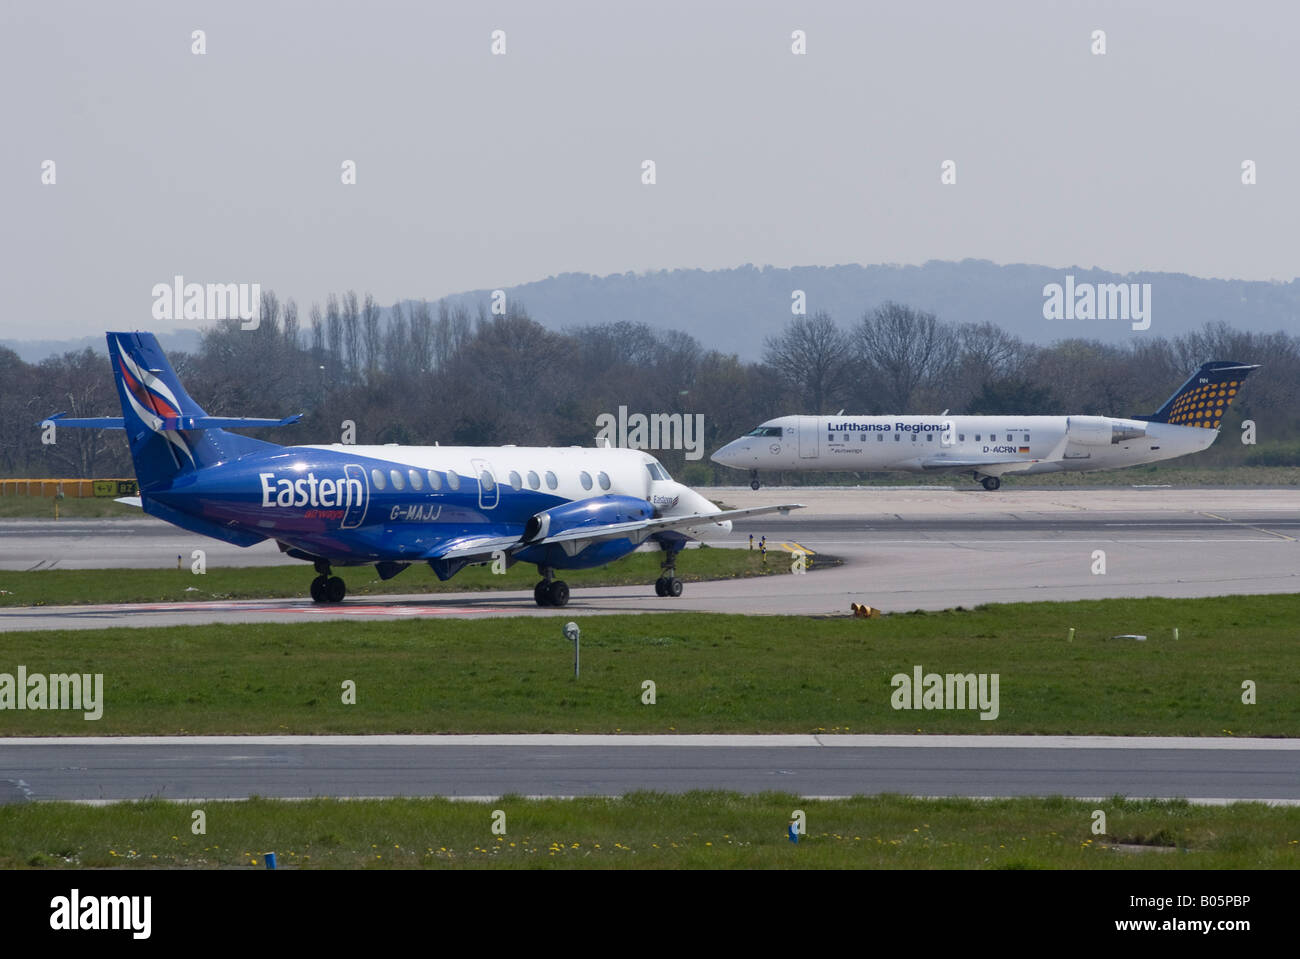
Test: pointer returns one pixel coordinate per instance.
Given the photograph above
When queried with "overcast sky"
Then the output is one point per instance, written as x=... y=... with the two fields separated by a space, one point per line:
x=475 y=170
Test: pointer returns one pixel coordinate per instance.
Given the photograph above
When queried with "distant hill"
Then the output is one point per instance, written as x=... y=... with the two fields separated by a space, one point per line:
x=33 y=351
x=734 y=310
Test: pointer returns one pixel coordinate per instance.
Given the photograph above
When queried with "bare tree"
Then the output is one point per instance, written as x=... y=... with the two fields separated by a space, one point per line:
x=397 y=359
x=352 y=335
x=269 y=318
x=811 y=359
x=317 y=331
x=372 y=340
x=421 y=338
x=21 y=407
x=1276 y=387
x=903 y=351
x=334 y=332
x=291 y=324
x=989 y=361
x=79 y=384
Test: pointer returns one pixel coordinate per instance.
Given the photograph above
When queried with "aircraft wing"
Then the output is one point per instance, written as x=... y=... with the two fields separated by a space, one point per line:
x=472 y=548
x=992 y=467
x=576 y=540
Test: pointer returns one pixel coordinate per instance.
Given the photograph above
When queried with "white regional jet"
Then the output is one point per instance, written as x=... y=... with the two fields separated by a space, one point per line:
x=989 y=447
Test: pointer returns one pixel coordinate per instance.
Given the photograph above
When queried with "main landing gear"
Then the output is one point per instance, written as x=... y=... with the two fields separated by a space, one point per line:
x=668 y=584
x=326 y=588
x=990 y=483
x=550 y=591
x=753 y=479
x=555 y=592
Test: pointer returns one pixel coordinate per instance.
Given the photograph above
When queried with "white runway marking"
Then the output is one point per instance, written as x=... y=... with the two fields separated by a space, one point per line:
x=732 y=741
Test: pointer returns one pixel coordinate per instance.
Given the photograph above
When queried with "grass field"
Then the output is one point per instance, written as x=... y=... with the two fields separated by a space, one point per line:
x=61 y=587
x=701 y=830
x=712 y=673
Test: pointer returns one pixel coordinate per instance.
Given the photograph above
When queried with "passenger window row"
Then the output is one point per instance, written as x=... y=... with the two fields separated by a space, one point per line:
x=436 y=479
x=993 y=438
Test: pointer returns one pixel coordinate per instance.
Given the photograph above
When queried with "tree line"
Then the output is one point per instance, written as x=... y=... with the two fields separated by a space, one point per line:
x=431 y=372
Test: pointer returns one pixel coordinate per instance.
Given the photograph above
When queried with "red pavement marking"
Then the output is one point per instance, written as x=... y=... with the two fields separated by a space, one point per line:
x=273 y=607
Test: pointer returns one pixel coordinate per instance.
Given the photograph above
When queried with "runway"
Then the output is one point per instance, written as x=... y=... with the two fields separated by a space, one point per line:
x=903 y=549
x=1205 y=770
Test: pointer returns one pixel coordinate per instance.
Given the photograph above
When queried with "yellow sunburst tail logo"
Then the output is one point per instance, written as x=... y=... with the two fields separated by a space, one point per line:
x=1202 y=400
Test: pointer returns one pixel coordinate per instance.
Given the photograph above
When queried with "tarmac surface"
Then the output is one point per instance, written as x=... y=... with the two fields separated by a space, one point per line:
x=902 y=549
x=479 y=767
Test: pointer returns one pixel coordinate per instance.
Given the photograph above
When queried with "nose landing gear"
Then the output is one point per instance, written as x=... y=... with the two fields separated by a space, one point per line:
x=326 y=588
x=668 y=584
x=551 y=591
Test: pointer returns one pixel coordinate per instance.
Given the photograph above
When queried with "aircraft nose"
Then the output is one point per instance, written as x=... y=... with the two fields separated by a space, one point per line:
x=728 y=455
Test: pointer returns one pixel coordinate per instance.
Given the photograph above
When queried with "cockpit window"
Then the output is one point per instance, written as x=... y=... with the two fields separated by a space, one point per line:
x=657 y=472
x=766 y=431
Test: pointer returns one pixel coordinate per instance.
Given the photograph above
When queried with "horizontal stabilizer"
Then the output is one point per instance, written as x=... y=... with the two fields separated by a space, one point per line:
x=86 y=422
x=175 y=423
x=224 y=422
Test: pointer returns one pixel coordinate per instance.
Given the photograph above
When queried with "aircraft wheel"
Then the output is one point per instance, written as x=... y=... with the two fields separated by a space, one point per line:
x=558 y=593
x=753 y=484
x=335 y=590
x=659 y=587
x=990 y=483
x=541 y=595
x=674 y=587
x=318 y=589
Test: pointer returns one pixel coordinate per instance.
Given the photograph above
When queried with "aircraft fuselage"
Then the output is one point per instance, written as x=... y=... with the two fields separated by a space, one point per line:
x=365 y=504
x=990 y=445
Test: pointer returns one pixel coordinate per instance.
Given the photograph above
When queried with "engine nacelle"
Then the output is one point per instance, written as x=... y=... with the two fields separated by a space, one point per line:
x=1123 y=430
x=1102 y=430
x=597 y=511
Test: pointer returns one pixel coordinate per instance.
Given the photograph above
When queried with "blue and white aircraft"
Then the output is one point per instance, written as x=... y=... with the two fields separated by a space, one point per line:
x=990 y=447
x=448 y=506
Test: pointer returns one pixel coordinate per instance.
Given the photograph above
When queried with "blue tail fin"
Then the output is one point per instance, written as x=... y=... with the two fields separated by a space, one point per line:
x=1201 y=401
x=164 y=425
x=170 y=435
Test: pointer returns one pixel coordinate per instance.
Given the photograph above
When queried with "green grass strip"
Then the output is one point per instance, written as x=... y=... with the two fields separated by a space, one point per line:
x=698 y=830
x=63 y=587
x=712 y=673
